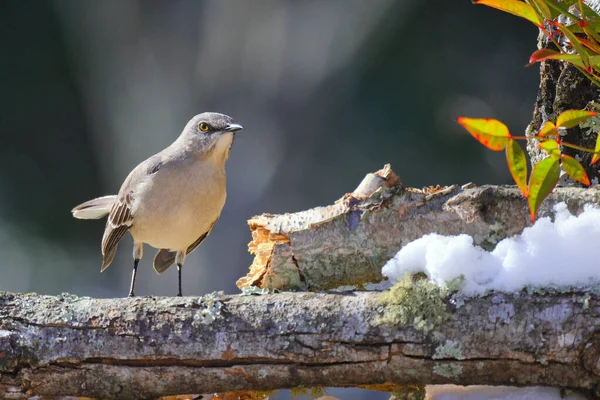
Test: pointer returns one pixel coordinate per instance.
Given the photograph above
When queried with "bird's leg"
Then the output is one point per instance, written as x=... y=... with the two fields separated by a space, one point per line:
x=179 y=273
x=179 y=260
x=138 y=248
x=135 y=265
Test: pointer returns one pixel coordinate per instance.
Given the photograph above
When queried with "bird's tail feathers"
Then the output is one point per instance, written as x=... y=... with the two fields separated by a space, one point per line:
x=163 y=260
x=94 y=209
x=108 y=258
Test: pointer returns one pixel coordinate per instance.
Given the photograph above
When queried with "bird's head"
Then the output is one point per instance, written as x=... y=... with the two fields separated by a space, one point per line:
x=210 y=135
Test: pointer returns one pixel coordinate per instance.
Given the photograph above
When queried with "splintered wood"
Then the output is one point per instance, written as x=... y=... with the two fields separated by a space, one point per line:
x=262 y=246
x=277 y=265
x=348 y=242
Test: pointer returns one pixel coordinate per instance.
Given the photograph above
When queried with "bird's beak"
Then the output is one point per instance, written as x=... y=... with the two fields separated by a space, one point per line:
x=233 y=128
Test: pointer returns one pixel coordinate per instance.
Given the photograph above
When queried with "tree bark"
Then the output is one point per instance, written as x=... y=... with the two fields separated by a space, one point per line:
x=348 y=242
x=149 y=347
x=562 y=88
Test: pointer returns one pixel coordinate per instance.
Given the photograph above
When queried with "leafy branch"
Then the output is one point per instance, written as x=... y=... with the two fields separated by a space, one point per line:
x=582 y=51
x=495 y=135
x=572 y=26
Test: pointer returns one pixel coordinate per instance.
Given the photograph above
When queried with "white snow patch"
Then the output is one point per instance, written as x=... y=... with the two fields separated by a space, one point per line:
x=548 y=254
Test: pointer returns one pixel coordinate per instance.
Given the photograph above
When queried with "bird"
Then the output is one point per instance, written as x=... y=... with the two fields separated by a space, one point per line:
x=172 y=200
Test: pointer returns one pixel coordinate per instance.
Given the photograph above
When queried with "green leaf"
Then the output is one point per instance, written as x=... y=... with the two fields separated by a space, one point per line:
x=514 y=7
x=541 y=182
x=596 y=151
x=548 y=129
x=490 y=132
x=590 y=13
x=571 y=118
x=592 y=45
x=546 y=54
x=559 y=8
x=594 y=38
x=575 y=43
x=563 y=8
x=551 y=147
x=517 y=164
x=574 y=169
x=591 y=24
x=542 y=8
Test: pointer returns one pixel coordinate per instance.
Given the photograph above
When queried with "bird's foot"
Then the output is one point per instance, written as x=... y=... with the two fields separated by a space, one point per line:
x=131 y=294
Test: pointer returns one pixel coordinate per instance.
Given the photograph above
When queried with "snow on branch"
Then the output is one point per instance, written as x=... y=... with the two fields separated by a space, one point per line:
x=348 y=243
x=420 y=332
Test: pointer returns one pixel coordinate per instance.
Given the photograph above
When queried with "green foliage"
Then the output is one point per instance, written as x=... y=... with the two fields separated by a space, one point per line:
x=417 y=301
x=552 y=148
x=544 y=177
x=492 y=133
x=572 y=118
x=583 y=52
x=514 y=7
x=574 y=169
x=517 y=164
x=582 y=20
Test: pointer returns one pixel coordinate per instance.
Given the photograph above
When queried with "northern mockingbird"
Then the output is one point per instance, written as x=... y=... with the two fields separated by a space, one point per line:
x=172 y=200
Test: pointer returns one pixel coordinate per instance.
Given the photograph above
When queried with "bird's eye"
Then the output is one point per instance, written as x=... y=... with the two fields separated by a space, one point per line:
x=203 y=126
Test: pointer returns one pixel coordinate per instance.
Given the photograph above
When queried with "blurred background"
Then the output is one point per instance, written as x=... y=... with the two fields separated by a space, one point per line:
x=327 y=91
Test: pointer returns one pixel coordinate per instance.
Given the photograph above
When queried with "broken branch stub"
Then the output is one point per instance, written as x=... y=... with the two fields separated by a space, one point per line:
x=348 y=242
x=278 y=264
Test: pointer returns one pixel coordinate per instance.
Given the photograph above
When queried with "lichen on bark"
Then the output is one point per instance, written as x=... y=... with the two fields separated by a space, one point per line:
x=416 y=301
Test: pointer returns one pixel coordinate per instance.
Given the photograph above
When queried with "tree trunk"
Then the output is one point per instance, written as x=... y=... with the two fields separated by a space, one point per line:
x=149 y=347
x=563 y=87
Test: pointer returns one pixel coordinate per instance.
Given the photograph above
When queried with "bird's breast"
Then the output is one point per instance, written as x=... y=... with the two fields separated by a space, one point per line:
x=178 y=204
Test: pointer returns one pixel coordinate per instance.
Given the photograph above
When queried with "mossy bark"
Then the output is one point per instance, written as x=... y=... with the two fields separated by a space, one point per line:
x=149 y=347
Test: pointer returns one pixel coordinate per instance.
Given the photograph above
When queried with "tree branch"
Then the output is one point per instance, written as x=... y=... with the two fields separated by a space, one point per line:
x=348 y=243
x=150 y=347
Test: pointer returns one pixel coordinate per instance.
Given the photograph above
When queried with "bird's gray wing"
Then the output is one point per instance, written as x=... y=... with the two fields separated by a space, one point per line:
x=165 y=258
x=120 y=217
x=119 y=221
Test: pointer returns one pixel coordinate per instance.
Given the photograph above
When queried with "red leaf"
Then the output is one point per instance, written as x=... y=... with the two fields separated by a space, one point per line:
x=545 y=54
x=490 y=132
